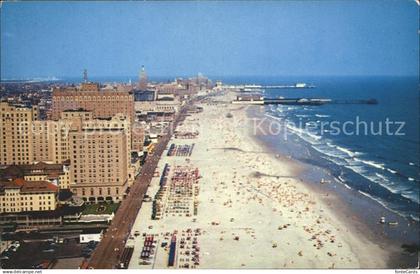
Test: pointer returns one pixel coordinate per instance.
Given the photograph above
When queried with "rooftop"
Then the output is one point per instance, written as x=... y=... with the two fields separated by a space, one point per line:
x=40 y=168
x=29 y=187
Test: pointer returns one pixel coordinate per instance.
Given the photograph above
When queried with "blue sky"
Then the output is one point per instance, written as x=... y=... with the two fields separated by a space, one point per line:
x=215 y=38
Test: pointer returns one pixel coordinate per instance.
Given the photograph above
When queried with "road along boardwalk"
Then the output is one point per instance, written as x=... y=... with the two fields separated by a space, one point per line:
x=109 y=251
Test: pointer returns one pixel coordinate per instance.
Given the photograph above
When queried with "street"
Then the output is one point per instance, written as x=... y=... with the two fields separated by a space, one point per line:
x=109 y=250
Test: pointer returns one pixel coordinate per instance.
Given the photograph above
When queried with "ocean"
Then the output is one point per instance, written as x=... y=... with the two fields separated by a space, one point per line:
x=379 y=158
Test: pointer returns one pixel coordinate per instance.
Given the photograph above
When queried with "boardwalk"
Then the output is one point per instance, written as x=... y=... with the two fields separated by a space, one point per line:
x=110 y=249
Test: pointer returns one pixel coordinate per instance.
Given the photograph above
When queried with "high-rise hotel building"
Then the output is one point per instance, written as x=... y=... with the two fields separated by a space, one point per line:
x=100 y=158
x=99 y=149
x=50 y=138
x=103 y=103
x=16 y=134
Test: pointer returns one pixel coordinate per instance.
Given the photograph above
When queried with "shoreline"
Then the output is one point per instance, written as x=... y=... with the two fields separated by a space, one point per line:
x=344 y=203
x=247 y=200
x=326 y=199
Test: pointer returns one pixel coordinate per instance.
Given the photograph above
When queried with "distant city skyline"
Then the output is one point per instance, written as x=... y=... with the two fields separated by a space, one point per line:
x=318 y=38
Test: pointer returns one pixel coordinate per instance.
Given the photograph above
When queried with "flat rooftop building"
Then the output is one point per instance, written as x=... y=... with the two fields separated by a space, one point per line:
x=16 y=134
x=103 y=103
x=100 y=156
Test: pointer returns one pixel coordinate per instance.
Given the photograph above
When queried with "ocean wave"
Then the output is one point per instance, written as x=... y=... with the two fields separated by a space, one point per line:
x=378 y=200
x=347 y=151
x=302 y=115
x=308 y=139
x=399 y=174
x=382 y=176
x=332 y=155
x=361 y=167
x=312 y=135
x=342 y=181
x=356 y=169
x=374 y=179
x=415 y=218
x=413 y=164
x=392 y=171
x=412 y=196
x=273 y=117
x=300 y=132
x=399 y=189
x=322 y=115
x=371 y=163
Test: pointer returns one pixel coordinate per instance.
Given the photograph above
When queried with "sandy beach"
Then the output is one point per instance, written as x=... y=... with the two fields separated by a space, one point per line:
x=251 y=210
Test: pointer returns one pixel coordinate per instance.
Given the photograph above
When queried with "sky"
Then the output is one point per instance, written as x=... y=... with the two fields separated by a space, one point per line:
x=240 y=38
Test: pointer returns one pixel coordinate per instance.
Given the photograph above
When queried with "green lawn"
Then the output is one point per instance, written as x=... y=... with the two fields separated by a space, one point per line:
x=104 y=208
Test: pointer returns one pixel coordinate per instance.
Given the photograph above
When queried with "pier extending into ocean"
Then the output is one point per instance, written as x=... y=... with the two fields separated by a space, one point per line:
x=260 y=100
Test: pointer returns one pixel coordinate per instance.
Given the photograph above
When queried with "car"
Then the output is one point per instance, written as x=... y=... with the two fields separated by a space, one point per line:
x=48 y=250
x=13 y=248
x=92 y=244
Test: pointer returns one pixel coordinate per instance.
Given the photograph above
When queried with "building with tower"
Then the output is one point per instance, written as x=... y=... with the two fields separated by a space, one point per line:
x=143 y=79
x=104 y=103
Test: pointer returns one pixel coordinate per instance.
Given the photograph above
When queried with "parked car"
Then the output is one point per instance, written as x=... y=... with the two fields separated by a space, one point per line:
x=13 y=247
x=48 y=250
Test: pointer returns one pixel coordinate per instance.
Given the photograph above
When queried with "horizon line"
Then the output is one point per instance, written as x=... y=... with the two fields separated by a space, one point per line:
x=63 y=77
